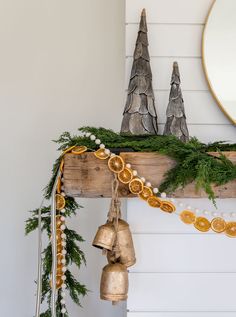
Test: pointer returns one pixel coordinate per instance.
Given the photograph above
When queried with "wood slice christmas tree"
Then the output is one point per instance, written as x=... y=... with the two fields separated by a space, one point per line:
x=140 y=117
x=176 y=119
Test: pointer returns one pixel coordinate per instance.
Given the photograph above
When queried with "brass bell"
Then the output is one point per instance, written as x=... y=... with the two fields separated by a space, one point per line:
x=105 y=237
x=114 y=282
x=125 y=245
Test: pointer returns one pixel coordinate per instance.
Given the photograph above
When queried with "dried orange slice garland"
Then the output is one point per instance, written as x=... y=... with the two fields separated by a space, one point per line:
x=202 y=224
x=218 y=225
x=231 y=229
x=116 y=164
x=125 y=176
x=79 y=149
x=137 y=186
x=60 y=202
x=187 y=217
x=101 y=154
x=146 y=193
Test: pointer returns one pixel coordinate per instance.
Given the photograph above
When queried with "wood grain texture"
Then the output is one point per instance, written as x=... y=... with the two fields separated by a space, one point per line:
x=87 y=176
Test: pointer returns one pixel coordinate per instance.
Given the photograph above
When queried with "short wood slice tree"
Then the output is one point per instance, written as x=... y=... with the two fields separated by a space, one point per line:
x=175 y=113
x=140 y=117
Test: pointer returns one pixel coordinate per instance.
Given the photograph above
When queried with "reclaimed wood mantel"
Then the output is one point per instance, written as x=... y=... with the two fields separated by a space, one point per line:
x=86 y=176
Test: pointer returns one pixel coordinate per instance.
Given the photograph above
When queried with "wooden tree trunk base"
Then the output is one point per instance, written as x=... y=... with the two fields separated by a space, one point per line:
x=87 y=176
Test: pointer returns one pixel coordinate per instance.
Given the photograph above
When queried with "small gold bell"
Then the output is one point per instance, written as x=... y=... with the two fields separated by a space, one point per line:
x=114 y=282
x=125 y=245
x=105 y=237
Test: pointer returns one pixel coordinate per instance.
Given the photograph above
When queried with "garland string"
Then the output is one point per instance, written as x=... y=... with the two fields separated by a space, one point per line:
x=39 y=275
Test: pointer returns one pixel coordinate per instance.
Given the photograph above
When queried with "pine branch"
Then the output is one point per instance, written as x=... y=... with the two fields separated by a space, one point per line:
x=75 y=288
x=74 y=254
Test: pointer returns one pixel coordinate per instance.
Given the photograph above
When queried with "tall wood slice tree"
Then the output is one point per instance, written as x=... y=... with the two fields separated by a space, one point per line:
x=140 y=117
x=175 y=113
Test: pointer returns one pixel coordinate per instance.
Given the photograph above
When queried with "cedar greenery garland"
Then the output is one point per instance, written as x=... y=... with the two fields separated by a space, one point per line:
x=74 y=255
x=192 y=160
x=193 y=163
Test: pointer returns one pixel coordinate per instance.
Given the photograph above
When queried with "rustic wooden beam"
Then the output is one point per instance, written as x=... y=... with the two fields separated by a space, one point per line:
x=87 y=176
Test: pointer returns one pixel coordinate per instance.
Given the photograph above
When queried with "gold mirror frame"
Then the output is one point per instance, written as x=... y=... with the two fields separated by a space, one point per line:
x=205 y=68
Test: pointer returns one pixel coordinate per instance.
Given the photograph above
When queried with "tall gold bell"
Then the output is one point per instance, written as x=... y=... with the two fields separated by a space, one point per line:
x=125 y=244
x=105 y=237
x=114 y=282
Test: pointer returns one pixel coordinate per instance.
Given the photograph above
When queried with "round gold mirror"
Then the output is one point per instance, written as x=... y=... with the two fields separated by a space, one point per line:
x=219 y=54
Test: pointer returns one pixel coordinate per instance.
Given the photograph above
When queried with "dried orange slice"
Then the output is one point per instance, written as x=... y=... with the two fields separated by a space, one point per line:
x=100 y=153
x=167 y=206
x=59 y=258
x=59 y=248
x=59 y=270
x=68 y=150
x=59 y=282
x=59 y=222
x=59 y=185
x=154 y=201
x=62 y=165
x=146 y=193
x=218 y=225
x=136 y=186
x=79 y=149
x=231 y=229
x=187 y=217
x=125 y=176
x=202 y=224
x=58 y=235
x=116 y=164
x=60 y=202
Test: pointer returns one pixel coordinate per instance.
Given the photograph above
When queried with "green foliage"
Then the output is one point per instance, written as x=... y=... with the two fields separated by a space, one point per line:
x=74 y=255
x=192 y=160
x=75 y=288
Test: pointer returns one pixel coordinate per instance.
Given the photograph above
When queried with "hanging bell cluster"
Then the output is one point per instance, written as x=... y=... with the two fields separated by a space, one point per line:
x=115 y=239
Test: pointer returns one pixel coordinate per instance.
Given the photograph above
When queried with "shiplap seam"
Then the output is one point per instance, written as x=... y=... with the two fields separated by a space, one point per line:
x=173 y=233
x=170 y=233
x=183 y=90
x=202 y=124
x=171 y=56
x=165 y=23
x=181 y=272
x=181 y=311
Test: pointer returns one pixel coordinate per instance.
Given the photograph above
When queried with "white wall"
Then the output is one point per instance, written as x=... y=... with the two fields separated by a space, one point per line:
x=61 y=67
x=179 y=272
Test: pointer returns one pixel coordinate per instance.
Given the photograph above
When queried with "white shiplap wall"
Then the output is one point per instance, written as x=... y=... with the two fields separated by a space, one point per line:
x=179 y=272
x=175 y=31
